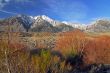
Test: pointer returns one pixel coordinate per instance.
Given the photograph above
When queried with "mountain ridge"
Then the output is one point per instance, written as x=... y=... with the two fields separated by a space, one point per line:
x=34 y=24
x=43 y=23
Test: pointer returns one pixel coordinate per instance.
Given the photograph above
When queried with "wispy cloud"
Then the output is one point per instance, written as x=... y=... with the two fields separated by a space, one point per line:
x=8 y=12
x=22 y=0
x=3 y=3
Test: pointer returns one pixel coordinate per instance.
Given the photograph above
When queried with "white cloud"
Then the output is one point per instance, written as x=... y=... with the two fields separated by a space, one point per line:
x=4 y=3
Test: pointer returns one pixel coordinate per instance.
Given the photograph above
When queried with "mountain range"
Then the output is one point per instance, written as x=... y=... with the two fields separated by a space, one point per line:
x=42 y=23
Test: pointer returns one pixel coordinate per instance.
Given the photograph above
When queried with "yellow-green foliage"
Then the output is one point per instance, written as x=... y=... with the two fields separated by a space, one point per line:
x=46 y=61
x=42 y=62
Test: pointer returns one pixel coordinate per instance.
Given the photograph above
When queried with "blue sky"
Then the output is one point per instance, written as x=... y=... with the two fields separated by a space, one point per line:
x=82 y=11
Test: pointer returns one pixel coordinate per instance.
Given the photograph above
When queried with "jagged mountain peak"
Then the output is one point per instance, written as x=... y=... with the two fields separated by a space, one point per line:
x=44 y=17
x=40 y=18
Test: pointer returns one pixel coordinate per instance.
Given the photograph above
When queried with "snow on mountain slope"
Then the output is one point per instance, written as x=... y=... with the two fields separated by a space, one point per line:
x=76 y=25
x=46 y=18
x=26 y=19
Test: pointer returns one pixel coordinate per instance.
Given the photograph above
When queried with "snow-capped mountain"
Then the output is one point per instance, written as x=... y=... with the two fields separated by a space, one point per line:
x=43 y=23
x=21 y=23
x=57 y=23
x=26 y=19
x=46 y=18
x=76 y=25
x=17 y=23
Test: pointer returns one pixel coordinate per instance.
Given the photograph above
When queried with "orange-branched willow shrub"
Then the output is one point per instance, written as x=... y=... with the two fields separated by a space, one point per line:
x=70 y=42
x=98 y=50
